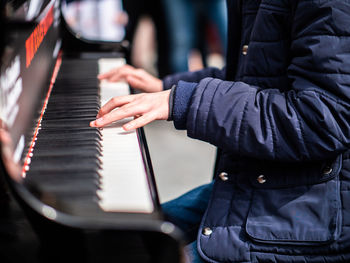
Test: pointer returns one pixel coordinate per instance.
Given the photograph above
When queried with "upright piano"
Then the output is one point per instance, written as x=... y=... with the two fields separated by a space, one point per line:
x=88 y=194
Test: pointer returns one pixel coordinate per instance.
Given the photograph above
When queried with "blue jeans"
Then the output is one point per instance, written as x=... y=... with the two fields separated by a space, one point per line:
x=182 y=18
x=186 y=212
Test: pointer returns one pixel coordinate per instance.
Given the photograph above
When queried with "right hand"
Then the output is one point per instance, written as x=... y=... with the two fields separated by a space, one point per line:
x=137 y=78
x=145 y=107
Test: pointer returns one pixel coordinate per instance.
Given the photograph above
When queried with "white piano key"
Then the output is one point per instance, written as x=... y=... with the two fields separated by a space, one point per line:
x=124 y=184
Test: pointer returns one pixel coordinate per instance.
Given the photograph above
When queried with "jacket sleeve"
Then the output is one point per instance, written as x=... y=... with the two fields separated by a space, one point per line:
x=310 y=121
x=194 y=76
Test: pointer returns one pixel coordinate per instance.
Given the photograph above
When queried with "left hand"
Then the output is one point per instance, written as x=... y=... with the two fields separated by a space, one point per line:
x=146 y=107
x=137 y=78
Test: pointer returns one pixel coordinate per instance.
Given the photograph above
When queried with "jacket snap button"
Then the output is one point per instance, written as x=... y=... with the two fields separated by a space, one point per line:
x=327 y=170
x=223 y=176
x=245 y=50
x=207 y=231
x=261 y=179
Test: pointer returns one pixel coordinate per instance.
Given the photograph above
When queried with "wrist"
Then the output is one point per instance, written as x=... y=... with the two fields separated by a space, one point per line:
x=181 y=102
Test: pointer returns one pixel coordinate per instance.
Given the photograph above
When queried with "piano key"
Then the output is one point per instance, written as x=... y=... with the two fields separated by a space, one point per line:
x=68 y=187
x=73 y=113
x=77 y=105
x=59 y=175
x=80 y=130
x=124 y=185
x=72 y=152
x=67 y=164
x=67 y=124
x=81 y=107
x=42 y=144
x=70 y=136
x=75 y=101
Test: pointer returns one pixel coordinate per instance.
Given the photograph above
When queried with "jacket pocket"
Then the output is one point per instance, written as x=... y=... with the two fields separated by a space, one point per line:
x=304 y=213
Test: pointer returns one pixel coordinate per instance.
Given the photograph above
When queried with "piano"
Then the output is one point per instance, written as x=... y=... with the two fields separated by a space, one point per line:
x=88 y=194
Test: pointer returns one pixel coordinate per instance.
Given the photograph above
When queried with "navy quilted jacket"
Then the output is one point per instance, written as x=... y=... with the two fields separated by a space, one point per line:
x=280 y=113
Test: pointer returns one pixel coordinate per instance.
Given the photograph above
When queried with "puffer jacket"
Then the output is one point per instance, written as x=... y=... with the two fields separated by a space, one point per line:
x=280 y=115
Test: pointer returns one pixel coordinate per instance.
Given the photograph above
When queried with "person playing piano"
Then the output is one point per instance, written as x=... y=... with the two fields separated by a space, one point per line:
x=279 y=112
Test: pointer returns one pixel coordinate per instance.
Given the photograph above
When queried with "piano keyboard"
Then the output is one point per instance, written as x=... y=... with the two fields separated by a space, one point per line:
x=83 y=169
x=124 y=185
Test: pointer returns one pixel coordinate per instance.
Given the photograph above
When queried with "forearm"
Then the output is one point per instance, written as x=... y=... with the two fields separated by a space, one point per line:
x=195 y=76
x=268 y=124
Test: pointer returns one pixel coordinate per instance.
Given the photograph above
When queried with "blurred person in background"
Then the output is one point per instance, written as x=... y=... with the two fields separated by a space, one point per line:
x=136 y=10
x=194 y=25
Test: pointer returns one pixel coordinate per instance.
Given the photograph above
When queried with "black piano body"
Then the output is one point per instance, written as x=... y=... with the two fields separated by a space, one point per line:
x=49 y=93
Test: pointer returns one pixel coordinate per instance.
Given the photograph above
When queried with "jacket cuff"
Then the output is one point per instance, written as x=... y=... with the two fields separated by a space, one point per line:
x=181 y=96
x=171 y=103
x=167 y=82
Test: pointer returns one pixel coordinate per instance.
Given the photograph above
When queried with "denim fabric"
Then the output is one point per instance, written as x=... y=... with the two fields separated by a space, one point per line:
x=182 y=18
x=192 y=253
x=186 y=212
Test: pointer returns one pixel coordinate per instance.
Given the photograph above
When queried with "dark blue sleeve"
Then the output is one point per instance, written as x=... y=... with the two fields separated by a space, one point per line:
x=310 y=121
x=194 y=76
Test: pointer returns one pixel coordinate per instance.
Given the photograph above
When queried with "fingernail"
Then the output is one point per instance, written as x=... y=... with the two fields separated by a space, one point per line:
x=128 y=126
x=99 y=121
x=98 y=116
x=92 y=124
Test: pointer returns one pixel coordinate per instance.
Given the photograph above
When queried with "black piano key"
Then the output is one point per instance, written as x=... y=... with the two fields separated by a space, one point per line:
x=72 y=117
x=66 y=124
x=75 y=93
x=69 y=185
x=70 y=136
x=73 y=108
x=60 y=175
x=69 y=102
x=80 y=130
x=67 y=164
x=59 y=139
x=41 y=144
x=87 y=183
x=78 y=96
x=58 y=121
x=56 y=179
x=63 y=130
x=58 y=154
x=71 y=113
x=69 y=159
x=77 y=105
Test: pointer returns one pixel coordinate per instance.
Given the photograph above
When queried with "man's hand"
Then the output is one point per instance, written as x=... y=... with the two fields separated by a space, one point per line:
x=145 y=107
x=137 y=78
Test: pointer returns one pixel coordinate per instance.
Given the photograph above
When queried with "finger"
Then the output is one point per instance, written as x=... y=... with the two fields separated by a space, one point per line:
x=123 y=73
x=114 y=103
x=139 y=122
x=118 y=114
x=116 y=73
x=106 y=75
x=135 y=82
